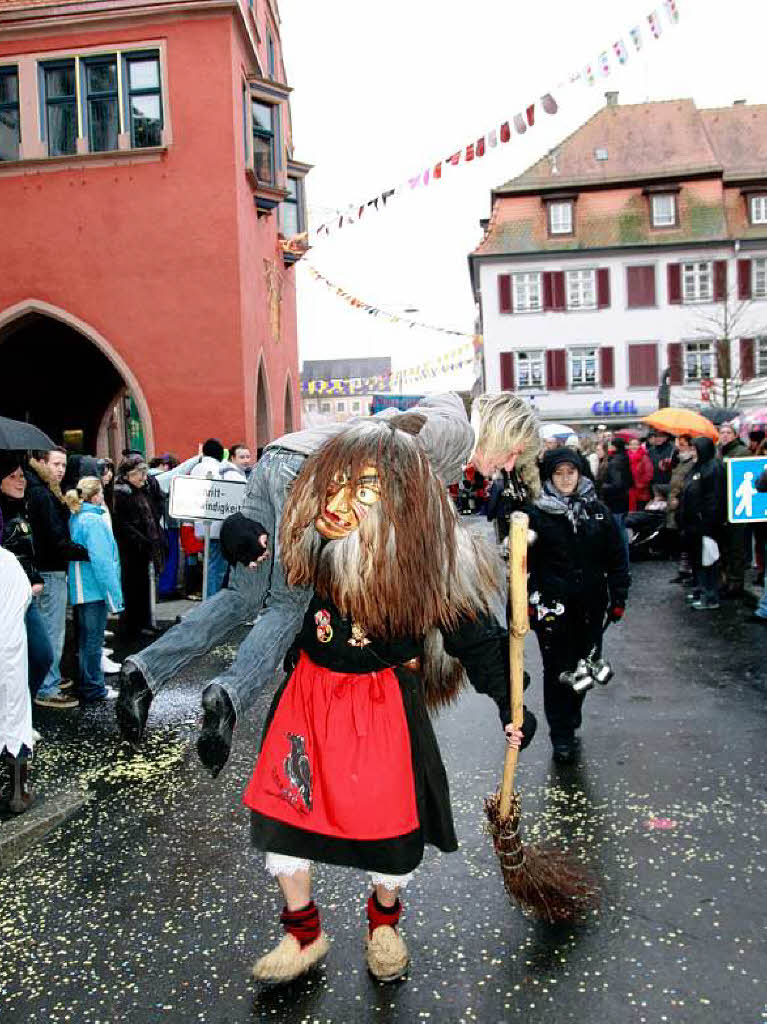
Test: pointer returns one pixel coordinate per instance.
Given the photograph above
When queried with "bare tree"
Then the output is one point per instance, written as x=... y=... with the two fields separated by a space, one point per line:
x=721 y=325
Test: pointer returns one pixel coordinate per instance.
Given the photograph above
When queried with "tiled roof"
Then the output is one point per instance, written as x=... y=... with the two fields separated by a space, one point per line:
x=738 y=135
x=641 y=140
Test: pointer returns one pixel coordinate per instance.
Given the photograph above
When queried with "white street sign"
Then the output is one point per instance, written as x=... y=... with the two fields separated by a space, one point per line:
x=194 y=498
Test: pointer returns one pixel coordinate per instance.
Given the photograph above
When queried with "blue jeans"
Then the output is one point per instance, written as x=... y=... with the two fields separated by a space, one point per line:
x=91 y=622
x=216 y=568
x=52 y=604
x=262 y=594
x=39 y=650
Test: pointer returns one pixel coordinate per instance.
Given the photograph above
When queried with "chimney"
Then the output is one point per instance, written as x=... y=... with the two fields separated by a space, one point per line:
x=611 y=99
x=738 y=103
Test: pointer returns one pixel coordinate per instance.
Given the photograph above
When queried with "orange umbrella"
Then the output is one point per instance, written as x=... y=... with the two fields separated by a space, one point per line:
x=682 y=421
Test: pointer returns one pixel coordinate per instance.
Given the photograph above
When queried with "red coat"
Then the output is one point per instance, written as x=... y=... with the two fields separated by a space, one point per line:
x=642 y=474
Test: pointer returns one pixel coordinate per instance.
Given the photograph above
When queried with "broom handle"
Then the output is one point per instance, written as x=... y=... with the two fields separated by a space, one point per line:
x=518 y=627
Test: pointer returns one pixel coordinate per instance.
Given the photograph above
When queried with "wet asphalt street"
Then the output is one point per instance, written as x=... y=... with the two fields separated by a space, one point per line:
x=148 y=907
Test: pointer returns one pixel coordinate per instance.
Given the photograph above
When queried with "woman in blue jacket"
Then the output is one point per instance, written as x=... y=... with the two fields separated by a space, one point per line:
x=94 y=586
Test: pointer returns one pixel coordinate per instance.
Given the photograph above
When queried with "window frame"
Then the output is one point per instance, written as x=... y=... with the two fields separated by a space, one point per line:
x=697 y=296
x=271 y=55
x=580 y=306
x=585 y=385
x=701 y=348
x=136 y=56
x=12 y=71
x=261 y=134
x=47 y=102
x=761 y=200
x=758 y=263
x=558 y=232
x=530 y=357
x=297 y=203
x=760 y=355
x=674 y=222
x=87 y=96
x=520 y=286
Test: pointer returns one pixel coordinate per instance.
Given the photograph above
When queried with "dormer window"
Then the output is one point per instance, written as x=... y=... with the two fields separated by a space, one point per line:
x=663 y=210
x=757 y=206
x=560 y=217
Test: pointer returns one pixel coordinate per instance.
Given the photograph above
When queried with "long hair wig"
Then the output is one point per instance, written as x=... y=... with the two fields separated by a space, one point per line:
x=409 y=566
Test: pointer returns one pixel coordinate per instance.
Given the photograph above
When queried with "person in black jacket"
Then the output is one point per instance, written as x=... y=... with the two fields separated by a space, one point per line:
x=702 y=513
x=615 y=484
x=54 y=550
x=578 y=579
x=17 y=538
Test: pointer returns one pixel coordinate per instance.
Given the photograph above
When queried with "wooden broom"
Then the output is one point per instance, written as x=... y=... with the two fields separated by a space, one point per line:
x=544 y=881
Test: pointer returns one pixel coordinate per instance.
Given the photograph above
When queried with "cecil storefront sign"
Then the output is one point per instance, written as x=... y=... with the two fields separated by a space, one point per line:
x=617 y=407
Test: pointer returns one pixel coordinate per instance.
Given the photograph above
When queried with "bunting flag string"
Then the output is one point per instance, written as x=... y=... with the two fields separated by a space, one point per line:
x=371 y=310
x=603 y=64
x=449 y=362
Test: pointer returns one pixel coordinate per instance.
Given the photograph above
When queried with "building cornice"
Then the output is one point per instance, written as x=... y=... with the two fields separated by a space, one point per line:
x=661 y=248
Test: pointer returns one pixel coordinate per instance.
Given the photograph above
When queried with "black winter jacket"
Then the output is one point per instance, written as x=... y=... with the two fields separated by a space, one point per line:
x=703 y=502
x=588 y=566
x=49 y=519
x=661 y=456
x=17 y=535
x=616 y=483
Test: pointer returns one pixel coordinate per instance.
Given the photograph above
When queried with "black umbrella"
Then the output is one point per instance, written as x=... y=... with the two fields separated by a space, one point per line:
x=718 y=416
x=15 y=436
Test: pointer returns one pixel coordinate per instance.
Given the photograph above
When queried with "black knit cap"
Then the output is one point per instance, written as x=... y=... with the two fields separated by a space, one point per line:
x=556 y=456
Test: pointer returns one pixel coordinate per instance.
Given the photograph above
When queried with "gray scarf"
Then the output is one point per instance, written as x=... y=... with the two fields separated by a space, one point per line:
x=573 y=506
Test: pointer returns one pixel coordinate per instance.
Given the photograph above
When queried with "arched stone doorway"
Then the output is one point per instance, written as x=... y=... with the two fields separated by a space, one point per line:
x=287 y=417
x=62 y=376
x=263 y=416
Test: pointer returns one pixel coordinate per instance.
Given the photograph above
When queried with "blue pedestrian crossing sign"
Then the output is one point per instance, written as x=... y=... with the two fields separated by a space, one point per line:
x=745 y=504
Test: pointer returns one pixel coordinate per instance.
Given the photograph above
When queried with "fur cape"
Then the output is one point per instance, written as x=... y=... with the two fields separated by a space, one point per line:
x=410 y=569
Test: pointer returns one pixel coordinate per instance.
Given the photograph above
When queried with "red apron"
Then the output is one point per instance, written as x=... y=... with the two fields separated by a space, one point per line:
x=336 y=758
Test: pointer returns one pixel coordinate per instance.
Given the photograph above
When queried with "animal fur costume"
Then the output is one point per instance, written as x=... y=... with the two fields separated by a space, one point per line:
x=349 y=770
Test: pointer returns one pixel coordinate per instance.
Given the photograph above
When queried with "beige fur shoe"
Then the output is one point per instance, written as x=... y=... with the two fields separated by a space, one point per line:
x=288 y=961
x=386 y=954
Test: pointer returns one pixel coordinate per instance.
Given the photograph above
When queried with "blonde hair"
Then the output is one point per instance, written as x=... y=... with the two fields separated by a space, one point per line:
x=86 y=488
x=507 y=422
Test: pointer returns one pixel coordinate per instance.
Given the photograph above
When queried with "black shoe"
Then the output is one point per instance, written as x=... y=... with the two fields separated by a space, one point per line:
x=760 y=619
x=215 y=741
x=564 y=753
x=133 y=703
x=731 y=594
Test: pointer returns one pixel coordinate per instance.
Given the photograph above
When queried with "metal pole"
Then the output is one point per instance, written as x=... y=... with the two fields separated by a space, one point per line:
x=152 y=597
x=205 y=559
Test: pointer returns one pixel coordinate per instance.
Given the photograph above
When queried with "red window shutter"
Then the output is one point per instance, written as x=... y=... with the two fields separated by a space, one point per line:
x=556 y=369
x=674 y=271
x=504 y=294
x=607 y=366
x=558 y=288
x=720 y=280
x=746 y=355
x=675 y=362
x=548 y=290
x=643 y=365
x=603 y=288
x=507 y=371
x=744 y=279
x=640 y=286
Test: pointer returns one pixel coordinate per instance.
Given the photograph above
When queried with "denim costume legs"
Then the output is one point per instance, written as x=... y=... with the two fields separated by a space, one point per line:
x=265 y=646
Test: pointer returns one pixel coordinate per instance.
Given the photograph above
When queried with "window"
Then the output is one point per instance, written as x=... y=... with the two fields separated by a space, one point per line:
x=581 y=289
x=697 y=282
x=10 y=134
x=698 y=361
x=527 y=293
x=60 y=108
x=760 y=354
x=529 y=370
x=144 y=100
x=263 y=141
x=640 y=286
x=561 y=218
x=583 y=367
x=325 y=407
x=759 y=277
x=355 y=406
x=270 y=61
x=292 y=220
x=663 y=208
x=758 y=205
x=340 y=406
x=102 y=104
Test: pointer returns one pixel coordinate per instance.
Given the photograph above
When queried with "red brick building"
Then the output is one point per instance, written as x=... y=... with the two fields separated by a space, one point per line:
x=147 y=188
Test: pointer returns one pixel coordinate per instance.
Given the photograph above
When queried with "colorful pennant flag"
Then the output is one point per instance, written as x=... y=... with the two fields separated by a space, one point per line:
x=636 y=37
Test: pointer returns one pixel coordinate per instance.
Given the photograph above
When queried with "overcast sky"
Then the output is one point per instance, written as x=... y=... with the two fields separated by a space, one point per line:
x=383 y=90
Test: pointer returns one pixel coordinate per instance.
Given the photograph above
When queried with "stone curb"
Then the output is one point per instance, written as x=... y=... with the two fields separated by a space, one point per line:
x=18 y=834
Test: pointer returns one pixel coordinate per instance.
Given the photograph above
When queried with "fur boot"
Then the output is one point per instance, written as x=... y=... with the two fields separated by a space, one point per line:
x=288 y=960
x=386 y=954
